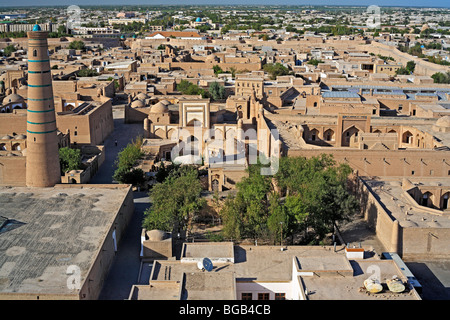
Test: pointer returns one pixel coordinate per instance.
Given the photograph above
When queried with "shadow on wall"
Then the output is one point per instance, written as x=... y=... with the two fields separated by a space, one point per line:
x=432 y=287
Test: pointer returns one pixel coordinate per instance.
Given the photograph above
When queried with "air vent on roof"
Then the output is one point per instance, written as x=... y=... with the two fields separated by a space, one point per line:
x=8 y=224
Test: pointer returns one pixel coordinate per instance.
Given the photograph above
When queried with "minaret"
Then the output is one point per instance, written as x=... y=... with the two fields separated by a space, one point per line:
x=42 y=166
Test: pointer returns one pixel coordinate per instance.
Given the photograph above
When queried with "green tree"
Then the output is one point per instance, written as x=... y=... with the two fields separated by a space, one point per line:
x=409 y=69
x=314 y=62
x=440 y=77
x=438 y=60
x=77 y=45
x=280 y=221
x=314 y=193
x=9 y=49
x=163 y=171
x=402 y=71
x=245 y=215
x=217 y=91
x=188 y=88
x=176 y=211
x=135 y=176
x=87 y=73
x=126 y=159
x=410 y=66
x=69 y=159
x=416 y=50
x=232 y=220
x=275 y=70
x=217 y=70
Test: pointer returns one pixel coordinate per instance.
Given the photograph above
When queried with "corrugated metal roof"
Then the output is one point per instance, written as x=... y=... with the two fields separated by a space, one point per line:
x=340 y=94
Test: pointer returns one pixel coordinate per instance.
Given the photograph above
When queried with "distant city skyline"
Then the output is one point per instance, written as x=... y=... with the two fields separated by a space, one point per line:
x=381 y=3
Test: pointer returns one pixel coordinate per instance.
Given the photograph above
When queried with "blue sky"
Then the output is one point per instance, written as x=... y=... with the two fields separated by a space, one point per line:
x=418 y=3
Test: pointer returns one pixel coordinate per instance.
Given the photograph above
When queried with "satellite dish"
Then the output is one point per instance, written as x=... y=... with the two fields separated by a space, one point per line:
x=205 y=264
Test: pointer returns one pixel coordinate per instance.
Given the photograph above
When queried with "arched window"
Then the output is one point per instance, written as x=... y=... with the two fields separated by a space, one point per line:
x=426 y=199
x=215 y=185
x=349 y=136
x=445 y=200
x=314 y=135
x=407 y=137
x=329 y=135
x=34 y=53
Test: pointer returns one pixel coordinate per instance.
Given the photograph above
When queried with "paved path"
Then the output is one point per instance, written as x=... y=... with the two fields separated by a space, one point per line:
x=124 y=134
x=126 y=265
x=124 y=271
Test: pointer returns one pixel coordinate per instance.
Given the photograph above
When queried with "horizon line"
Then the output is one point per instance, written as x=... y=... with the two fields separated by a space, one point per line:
x=223 y=5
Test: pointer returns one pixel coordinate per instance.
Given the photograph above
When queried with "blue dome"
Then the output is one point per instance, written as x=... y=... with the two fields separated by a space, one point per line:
x=198 y=20
x=36 y=28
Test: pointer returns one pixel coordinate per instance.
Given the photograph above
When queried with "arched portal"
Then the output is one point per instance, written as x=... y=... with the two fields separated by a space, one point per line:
x=349 y=136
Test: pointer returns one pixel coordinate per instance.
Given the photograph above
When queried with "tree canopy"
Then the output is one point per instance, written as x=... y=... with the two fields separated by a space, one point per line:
x=69 y=159
x=87 y=73
x=175 y=212
x=9 y=49
x=186 y=87
x=309 y=198
x=441 y=77
x=217 y=70
x=314 y=62
x=275 y=70
x=217 y=91
x=125 y=161
x=77 y=45
x=409 y=69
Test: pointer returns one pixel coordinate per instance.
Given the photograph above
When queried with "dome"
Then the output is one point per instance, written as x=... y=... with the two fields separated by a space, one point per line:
x=20 y=136
x=14 y=97
x=141 y=96
x=36 y=27
x=138 y=104
x=443 y=122
x=156 y=235
x=159 y=108
x=198 y=19
x=7 y=137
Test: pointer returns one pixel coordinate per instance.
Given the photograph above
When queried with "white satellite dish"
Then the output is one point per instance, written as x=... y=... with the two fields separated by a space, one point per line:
x=205 y=264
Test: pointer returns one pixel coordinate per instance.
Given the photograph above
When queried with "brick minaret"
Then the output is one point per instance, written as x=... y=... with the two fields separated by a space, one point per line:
x=42 y=166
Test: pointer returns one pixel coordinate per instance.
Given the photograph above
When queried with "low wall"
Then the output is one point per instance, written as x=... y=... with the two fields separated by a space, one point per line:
x=425 y=243
x=422 y=67
x=377 y=217
x=99 y=270
x=12 y=170
x=397 y=163
x=409 y=242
